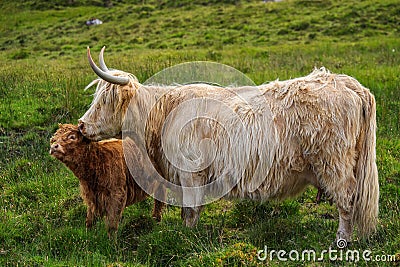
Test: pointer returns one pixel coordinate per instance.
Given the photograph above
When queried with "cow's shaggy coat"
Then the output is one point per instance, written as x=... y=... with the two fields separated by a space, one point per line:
x=275 y=139
x=106 y=184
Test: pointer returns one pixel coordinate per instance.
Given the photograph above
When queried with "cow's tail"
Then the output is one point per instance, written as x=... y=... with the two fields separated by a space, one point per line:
x=365 y=203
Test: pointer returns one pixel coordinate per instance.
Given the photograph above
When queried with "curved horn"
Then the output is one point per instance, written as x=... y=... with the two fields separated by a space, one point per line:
x=103 y=65
x=104 y=75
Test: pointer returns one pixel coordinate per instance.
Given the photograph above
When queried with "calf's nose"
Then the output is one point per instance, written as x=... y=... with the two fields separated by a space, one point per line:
x=53 y=148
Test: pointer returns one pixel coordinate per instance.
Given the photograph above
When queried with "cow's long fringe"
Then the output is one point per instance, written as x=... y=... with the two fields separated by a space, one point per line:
x=106 y=93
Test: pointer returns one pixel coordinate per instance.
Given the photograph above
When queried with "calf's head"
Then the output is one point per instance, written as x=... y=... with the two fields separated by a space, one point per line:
x=67 y=143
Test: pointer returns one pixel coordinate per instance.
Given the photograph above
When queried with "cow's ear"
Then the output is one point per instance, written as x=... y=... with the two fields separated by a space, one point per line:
x=59 y=124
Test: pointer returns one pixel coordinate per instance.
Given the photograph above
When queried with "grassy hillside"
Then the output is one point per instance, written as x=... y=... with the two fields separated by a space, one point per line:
x=43 y=70
x=217 y=26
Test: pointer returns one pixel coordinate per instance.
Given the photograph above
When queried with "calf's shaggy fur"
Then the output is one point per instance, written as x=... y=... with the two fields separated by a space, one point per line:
x=107 y=186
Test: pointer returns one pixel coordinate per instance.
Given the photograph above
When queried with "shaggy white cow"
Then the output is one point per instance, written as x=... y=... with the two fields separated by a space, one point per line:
x=268 y=141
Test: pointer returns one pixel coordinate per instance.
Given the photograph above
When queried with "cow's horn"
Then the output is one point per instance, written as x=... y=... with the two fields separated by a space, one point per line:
x=103 y=65
x=104 y=75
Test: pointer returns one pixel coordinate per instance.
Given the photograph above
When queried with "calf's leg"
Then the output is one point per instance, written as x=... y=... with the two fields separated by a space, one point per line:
x=90 y=216
x=114 y=209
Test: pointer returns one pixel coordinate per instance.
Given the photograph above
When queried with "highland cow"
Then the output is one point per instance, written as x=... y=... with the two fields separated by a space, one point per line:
x=266 y=142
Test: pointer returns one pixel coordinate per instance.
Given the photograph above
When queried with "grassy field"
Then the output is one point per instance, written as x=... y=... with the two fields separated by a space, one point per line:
x=43 y=70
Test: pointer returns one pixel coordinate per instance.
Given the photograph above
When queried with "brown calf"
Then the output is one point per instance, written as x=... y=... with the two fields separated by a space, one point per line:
x=107 y=186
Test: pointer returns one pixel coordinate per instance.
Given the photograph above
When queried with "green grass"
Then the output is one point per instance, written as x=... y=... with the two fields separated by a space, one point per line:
x=43 y=70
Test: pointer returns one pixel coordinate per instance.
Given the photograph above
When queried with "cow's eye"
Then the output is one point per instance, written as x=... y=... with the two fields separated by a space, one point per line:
x=72 y=137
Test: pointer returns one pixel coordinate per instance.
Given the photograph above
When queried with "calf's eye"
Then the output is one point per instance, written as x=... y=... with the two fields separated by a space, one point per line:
x=72 y=137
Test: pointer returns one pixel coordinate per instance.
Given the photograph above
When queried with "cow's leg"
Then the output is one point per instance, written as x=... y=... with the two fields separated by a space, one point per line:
x=192 y=198
x=191 y=215
x=344 y=201
x=339 y=182
x=345 y=230
x=159 y=203
x=311 y=178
